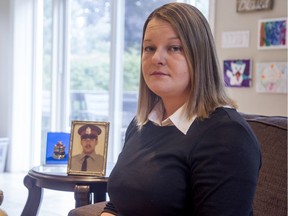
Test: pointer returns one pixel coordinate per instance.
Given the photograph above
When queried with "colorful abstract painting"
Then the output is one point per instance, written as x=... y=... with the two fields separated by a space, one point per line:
x=272 y=33
x=271 y=77
x=237 y=73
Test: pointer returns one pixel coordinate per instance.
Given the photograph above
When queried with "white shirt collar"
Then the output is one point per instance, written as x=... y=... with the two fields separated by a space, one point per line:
x=178 y=118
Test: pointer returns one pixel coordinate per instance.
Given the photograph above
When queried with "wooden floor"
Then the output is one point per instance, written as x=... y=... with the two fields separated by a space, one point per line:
x=56 y=203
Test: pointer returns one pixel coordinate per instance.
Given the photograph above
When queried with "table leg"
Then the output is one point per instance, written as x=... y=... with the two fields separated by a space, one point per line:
x=82 y=195
x=34 y=197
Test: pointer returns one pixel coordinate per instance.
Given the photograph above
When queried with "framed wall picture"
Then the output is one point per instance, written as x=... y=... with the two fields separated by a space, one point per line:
x=272 y=33
x=88 y=148
x=271 y=77
x=237 y=73
x=253 y=5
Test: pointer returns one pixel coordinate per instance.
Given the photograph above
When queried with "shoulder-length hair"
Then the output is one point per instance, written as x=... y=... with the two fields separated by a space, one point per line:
x=207 y=86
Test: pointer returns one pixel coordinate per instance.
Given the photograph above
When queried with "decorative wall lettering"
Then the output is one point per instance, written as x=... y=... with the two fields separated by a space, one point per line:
x=254 y=5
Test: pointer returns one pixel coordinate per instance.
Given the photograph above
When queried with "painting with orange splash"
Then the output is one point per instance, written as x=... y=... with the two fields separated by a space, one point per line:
x=271 y=77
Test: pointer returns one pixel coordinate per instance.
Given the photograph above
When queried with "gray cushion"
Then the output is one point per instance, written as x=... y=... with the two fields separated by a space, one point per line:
x=88 y=210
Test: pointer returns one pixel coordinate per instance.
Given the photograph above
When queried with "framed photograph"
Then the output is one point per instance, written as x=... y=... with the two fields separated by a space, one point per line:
x=271 y=77
x=272 y=33
x=237 y=73
x=88 y=148
x=57 y=147
x=253 y=5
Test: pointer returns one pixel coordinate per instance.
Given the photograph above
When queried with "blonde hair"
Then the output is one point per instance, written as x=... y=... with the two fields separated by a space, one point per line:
x=207 y=85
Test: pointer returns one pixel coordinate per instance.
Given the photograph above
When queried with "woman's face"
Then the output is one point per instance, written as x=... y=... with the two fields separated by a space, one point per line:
x=164 y=66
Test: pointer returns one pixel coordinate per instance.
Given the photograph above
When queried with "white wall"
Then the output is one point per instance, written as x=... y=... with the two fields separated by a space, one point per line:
x=227 y=19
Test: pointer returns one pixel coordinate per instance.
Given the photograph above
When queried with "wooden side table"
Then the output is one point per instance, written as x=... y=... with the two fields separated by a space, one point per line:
x=56 y=178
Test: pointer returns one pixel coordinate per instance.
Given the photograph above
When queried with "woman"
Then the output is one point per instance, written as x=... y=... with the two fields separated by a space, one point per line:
x=188 y=151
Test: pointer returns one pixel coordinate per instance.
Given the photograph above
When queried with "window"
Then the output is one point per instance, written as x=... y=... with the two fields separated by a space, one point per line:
x=91 y=62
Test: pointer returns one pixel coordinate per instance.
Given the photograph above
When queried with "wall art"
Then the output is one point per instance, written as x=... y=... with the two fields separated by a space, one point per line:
x=272 y=33
x=235 y=39
x=271 y=77
x=253 y=5
x=237 y=73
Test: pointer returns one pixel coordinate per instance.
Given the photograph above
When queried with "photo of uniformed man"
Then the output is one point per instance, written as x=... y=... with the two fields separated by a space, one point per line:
x=88 y=160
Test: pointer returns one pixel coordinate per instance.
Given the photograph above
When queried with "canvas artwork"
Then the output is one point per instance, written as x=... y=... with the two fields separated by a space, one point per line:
x=272 y=33
x=271 y=77
x=237 y=73
x=57 y=147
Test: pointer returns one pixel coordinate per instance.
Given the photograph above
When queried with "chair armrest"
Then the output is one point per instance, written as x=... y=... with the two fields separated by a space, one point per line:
x=88 y=210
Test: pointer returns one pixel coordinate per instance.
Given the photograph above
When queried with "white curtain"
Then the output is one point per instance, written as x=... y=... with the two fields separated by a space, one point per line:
x=25 y=128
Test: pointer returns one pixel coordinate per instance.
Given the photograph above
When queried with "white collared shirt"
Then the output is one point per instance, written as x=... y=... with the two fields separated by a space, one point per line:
x=178 y=118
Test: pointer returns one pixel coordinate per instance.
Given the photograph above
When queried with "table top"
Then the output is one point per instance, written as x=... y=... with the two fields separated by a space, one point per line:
x=51 y=169
x=58 y=174
x=56 y=177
